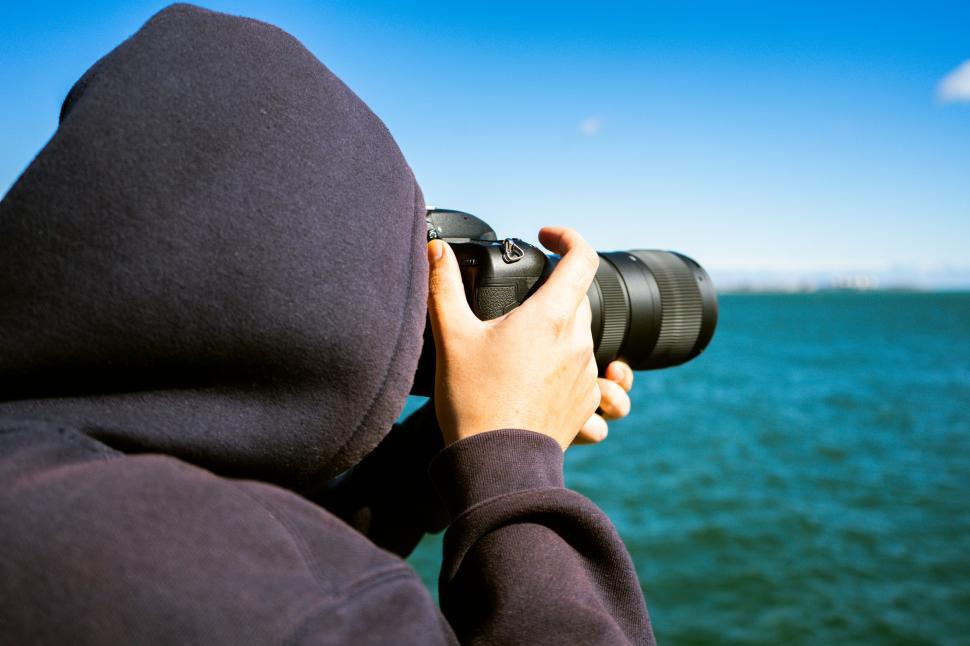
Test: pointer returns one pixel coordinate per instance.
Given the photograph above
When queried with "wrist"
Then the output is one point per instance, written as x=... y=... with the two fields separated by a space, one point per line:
x=495 y=463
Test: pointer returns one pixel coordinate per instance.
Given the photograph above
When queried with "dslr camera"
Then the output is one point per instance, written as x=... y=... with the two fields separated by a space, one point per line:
x=652 y=309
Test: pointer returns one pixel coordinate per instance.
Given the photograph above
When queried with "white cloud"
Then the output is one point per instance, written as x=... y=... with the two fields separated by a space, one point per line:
x=590 y=126
x=955 y=86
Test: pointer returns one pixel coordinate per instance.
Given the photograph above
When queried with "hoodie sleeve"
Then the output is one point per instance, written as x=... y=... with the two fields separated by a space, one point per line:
x=388 y=496
x=525 y=559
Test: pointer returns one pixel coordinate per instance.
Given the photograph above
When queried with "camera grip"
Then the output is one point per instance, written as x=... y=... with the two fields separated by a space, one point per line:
x=492 y=302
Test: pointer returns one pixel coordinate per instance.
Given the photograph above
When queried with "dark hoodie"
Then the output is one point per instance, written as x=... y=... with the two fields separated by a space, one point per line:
x=212 y=297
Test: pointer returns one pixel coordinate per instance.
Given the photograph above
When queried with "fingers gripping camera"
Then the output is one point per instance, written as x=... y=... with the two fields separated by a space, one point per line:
x=653 y=309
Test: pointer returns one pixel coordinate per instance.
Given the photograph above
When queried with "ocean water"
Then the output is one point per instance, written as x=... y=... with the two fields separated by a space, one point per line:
x=806 y=480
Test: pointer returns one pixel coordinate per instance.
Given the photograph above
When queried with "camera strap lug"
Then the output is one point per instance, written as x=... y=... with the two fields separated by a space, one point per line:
x=511 y=252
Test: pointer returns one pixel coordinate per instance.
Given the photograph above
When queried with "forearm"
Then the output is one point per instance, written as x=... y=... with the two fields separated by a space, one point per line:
x=526 y=560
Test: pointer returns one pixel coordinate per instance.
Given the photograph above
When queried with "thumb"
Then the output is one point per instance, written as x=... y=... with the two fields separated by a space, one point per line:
x=447 y=307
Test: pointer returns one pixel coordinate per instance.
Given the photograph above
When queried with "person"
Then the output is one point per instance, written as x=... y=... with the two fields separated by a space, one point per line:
x=214 y=281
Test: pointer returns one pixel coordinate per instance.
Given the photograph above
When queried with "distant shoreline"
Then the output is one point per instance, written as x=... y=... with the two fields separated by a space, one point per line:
x=784 y=291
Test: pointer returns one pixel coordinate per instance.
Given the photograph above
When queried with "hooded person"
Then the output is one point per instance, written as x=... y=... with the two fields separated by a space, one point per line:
x=213 y=289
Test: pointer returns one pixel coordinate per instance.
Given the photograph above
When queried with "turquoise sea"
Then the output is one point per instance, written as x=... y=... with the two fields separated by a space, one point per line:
x=806 y=480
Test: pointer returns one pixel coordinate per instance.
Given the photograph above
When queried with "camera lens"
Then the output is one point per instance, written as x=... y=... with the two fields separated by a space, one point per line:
x=652 y=309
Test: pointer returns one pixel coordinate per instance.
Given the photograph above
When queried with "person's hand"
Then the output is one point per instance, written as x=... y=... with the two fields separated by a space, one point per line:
x=532 y=368
x=614 y=403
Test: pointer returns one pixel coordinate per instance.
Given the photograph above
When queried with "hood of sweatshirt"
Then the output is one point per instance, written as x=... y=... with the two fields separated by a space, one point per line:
x=218 y=256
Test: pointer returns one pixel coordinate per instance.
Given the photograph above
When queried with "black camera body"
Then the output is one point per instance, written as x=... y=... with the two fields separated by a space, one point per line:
x=498 y=274
x=650 y=308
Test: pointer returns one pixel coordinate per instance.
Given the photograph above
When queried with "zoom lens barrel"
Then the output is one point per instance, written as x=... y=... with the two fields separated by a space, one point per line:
x=652 y=309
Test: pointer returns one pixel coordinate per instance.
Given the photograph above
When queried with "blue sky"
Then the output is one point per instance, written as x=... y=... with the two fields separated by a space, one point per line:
x=756 y=137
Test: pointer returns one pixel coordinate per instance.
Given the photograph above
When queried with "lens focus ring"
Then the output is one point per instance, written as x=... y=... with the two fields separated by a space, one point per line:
x=681 y=304
x=615 y=312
